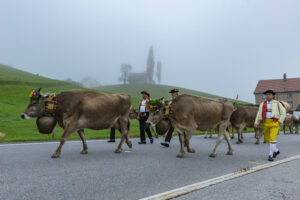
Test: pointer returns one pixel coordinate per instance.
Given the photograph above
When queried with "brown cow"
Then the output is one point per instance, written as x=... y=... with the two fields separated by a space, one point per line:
x=80 y=109
x=288 y=122
x=244 y=117
x=159 y=129
x=189 y=113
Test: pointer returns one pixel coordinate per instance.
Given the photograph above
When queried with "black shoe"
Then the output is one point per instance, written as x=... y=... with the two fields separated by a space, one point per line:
x=270 y=158
x=109 y=141
x=142 y=142
x=151 y=140
x=164 y=144
x=276 y=154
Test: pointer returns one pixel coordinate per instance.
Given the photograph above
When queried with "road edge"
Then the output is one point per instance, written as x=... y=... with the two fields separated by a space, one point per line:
x=203 y=184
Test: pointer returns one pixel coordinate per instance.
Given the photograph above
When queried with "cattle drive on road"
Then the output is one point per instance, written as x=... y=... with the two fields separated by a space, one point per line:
x=79 y=109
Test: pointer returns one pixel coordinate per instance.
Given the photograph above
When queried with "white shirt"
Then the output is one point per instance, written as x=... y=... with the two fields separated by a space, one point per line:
x=143 y=106
x=269 y=107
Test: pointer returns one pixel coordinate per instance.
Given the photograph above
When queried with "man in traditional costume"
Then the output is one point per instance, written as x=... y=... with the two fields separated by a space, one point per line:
x=174 y=94
x=271 y=114
x=143 y=115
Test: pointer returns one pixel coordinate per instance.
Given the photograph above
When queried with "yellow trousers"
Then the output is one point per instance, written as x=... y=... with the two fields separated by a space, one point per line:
x=271 y=129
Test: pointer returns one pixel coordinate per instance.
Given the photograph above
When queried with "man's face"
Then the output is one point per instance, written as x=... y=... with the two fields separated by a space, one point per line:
x=270 y=96
x=174 y=94
x=144 y=96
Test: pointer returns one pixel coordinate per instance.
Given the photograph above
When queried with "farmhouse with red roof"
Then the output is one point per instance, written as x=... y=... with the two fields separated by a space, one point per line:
x=287 y=89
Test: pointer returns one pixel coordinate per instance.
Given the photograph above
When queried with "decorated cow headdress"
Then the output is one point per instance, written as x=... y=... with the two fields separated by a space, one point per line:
x=35 y=94
x=156 y=104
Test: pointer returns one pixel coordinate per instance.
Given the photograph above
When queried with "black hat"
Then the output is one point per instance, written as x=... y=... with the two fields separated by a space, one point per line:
x=174 y=90
x=145 y=92
x=270 y=91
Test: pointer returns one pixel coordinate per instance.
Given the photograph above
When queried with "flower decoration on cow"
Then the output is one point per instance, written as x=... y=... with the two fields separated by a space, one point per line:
x=155 y=105
x=35 y=95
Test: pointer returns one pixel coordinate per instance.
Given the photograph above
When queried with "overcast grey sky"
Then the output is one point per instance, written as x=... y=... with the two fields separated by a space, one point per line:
x=221 y=47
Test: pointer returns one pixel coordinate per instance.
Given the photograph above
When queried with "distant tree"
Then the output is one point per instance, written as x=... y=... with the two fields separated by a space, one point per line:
x=125 y=69
x=150 y=65
x=158 y=72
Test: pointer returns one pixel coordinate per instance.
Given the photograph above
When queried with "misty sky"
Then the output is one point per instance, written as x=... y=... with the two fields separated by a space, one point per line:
x=220 y=47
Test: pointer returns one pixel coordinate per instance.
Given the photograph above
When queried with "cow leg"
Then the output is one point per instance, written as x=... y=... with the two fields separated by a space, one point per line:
x=82 y=137
x=240 y=132
x=181 y=140
x=227 y=138
x=219 y=139
x=222 y=133
x=210 y=132
x=206 y=134
x=63 y=139
x=257 y=136
x=291 y=130
x=154 y=130
x=124 y=135
x=232 y=133
x=284 y=129
x=187 y=141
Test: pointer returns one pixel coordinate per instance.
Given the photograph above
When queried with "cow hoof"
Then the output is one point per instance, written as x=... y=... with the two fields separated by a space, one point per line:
x=191 y=150
x=129 y=144
x=232 y=137
x=210 y=137
x=257 y=142
x=118 y=150
x=212 y=155
x=238 y=142
x=229 y=152
x=84 y=152
x=55 y=155
x=241 y=141
x=180 y=155
x=205 y=137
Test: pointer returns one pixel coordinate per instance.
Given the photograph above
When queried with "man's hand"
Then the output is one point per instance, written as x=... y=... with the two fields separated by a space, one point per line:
x=255 y=125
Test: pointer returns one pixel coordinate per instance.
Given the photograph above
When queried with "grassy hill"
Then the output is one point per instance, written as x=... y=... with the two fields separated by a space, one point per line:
x=156 y=91
x=15 y=86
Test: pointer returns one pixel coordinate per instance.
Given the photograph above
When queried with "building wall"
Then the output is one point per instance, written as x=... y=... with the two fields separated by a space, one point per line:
x=282 y=96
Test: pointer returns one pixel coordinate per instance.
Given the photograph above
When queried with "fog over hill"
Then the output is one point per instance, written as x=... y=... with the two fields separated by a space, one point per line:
x=219 y=47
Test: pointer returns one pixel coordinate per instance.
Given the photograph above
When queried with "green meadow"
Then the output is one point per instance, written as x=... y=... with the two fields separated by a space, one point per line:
x=15 y=86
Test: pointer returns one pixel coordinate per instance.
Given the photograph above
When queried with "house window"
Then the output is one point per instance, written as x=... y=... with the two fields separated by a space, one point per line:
x=263 y=96
x=289 y=95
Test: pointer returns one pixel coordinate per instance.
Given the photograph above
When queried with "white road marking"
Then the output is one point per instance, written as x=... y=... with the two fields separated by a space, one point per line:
x=197 y=186
x=42 y=143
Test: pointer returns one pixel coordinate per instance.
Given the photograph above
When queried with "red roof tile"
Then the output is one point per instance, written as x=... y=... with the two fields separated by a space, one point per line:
x=278 y=85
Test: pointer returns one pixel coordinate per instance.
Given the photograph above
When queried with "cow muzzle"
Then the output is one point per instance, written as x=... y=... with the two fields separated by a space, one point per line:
x=24 y=116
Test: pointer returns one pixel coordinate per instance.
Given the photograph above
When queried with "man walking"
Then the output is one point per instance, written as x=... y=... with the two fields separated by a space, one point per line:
x=271 y=114
x=174 y=94
x=143 y=115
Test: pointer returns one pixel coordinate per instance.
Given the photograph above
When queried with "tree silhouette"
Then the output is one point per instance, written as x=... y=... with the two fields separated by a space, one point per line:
x=125 y=69
x=150 y=65
x=158 y=72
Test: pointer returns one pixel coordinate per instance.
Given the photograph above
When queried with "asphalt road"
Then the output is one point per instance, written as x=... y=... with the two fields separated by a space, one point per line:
x=28 y=172
x=276 y=183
